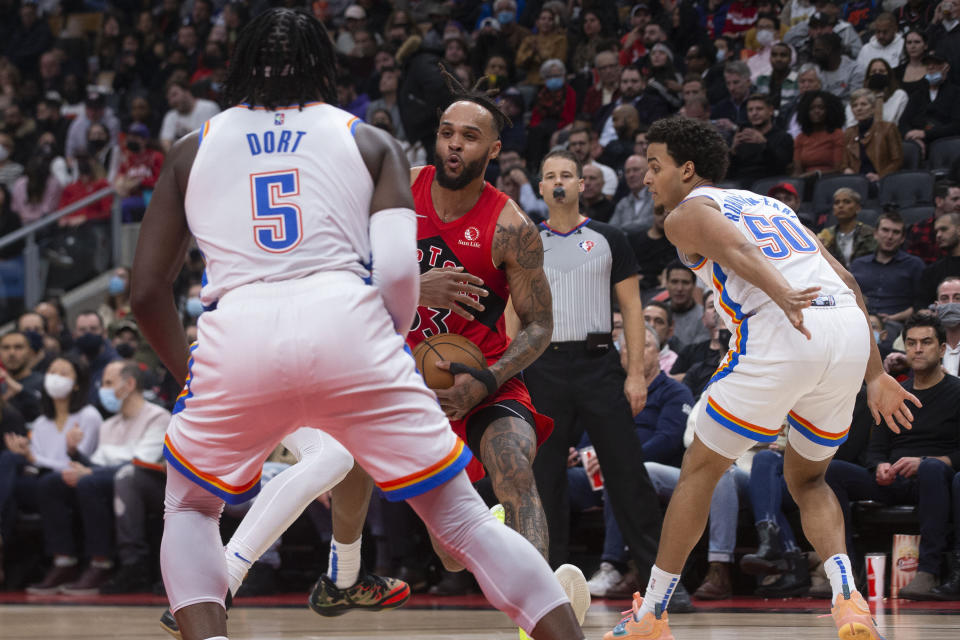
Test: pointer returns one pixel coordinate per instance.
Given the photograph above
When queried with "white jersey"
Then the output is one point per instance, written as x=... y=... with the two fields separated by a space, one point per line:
x=278 y=195
x=775 y=229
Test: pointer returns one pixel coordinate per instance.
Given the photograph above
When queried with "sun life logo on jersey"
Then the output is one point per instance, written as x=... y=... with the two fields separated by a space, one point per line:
x=587 y=245
x=471 y=235
x=278 y=119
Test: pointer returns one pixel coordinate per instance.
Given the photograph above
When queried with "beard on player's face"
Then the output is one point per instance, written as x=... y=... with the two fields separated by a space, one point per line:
x=469 y=172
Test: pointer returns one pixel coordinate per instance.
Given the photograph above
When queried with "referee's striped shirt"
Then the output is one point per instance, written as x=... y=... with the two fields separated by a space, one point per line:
x=582 y=266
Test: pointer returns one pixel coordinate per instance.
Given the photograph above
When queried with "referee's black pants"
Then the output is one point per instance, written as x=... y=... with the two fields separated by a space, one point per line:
x=580 y=390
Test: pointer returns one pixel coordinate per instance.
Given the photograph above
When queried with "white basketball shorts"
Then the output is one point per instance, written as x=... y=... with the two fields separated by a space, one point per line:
x=319 y=351
x=773 y=371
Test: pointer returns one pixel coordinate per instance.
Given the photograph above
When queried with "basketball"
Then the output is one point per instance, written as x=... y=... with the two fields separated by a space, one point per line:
x=451 y=347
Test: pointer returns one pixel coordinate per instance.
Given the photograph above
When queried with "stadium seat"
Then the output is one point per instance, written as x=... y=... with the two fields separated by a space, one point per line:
x=912 y=155
x=913 y=215
x=907 y=188
x=868 y=216
x=822 y=201
x=764 y=185
x=942 y=154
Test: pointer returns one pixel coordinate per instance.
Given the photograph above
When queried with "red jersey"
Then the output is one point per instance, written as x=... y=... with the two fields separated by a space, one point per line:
x=468 y=242
x=465 y=242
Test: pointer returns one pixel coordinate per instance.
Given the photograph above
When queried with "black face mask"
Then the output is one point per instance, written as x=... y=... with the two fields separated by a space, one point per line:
x=125 y=350
x=95 y=146
x=89 y=344
x=134 y=146
x=84 y=167
x=878 y=81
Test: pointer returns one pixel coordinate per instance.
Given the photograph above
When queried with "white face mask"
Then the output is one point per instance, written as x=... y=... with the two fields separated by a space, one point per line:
x=57 y=386
x=3 y=153
x=765 y=37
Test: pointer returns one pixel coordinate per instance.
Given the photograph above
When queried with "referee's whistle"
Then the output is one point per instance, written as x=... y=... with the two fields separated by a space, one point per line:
x=559 y=193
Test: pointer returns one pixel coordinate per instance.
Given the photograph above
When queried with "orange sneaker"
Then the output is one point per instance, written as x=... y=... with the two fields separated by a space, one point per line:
x=853 y=619
x=650 y=627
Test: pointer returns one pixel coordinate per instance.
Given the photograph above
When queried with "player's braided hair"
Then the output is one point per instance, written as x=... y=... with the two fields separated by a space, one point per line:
x=459 y=93
x=283 y=57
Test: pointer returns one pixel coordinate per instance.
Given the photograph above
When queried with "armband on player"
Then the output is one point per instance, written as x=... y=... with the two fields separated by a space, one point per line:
x=483 y=375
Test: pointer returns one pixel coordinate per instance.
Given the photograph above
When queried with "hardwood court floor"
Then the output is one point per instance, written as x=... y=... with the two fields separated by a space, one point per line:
x=422 y=622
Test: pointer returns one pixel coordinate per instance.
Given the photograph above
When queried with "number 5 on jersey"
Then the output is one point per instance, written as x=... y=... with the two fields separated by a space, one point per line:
x=277 y=219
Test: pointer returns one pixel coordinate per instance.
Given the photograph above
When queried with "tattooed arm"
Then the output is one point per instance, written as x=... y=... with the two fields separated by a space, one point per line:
x=517 y=247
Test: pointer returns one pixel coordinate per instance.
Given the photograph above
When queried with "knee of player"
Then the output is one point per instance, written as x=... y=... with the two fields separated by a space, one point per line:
x=801 y=480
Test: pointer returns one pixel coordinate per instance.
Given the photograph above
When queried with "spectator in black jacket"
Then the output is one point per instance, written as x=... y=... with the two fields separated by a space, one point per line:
x=422 y=94
x=19 y=384
x=760 y=149
x=932 y=110
x=914 y=466
x=696 y=363
x=30 y=40
x=947 y=230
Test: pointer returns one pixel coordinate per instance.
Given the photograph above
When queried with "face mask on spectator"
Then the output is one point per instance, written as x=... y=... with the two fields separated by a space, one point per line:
x=89 y=344
x=35 y=339
x=125 y=350
x=134 y=146
x=194 y=307
x=109 y=399
x=949 y=314
x=878 y=81
x=505 y=17
x=117 y=285
x=765 y=37
x=934 y=78
x=554 y=84
x=3 y=153
x=876 y=336
x=57 y=386
x=96 y=145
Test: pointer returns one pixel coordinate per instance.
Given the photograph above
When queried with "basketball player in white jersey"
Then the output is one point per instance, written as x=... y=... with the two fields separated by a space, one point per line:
x=800 y=348
x=305 y=219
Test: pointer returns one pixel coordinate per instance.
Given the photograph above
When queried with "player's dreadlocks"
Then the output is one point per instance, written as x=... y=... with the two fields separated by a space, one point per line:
x=459 y=93
x=283 y=57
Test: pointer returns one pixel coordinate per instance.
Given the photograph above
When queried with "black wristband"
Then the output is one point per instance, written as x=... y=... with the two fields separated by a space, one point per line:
x=483 y=375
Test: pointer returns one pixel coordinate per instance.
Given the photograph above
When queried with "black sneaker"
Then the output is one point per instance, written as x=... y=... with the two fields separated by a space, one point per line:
x=261 y=580
x=680 y=601
x=130 y=578
x=169 y=624
x=370 y=593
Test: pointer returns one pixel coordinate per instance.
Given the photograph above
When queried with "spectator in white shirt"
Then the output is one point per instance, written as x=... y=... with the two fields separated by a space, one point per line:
x=187 y=113
x=634 y=212
x=948 y=309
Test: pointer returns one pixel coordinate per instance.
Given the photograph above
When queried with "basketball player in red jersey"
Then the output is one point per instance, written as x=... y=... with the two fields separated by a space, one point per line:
x=474 y=243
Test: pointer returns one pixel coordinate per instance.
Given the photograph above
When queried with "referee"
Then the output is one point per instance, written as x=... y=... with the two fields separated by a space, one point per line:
x=579 y=381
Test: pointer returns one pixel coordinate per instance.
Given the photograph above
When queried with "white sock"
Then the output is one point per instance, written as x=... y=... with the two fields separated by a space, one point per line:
x=840 y=574
x=239 y=560
x=218 y=638
x=659 y=590
x=344 y=565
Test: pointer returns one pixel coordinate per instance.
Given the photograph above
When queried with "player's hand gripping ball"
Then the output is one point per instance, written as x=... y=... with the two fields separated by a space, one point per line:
x=451 y=347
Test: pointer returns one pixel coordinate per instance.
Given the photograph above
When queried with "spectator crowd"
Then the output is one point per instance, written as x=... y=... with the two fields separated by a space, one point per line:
x=844 y=110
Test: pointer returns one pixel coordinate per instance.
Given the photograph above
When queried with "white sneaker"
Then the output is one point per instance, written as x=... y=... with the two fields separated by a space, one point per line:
x=575 y=586
x=602 y=581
